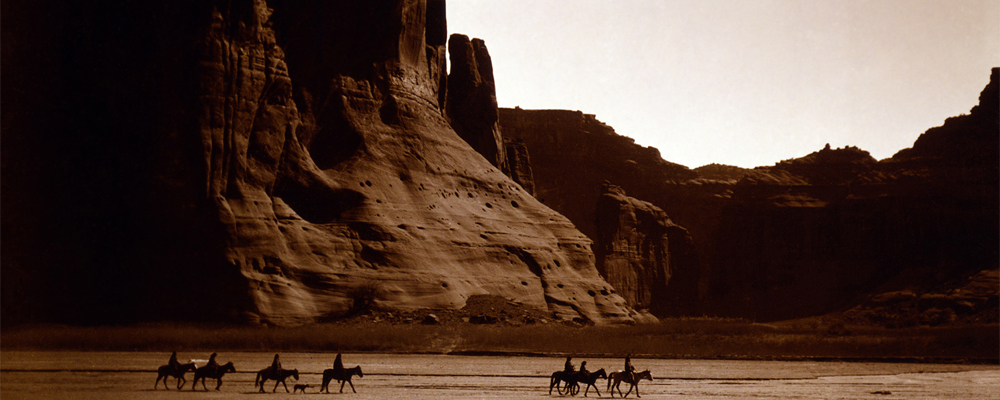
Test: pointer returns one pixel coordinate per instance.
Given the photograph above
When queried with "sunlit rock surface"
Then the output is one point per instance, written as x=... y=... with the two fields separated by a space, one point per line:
x=291 y=155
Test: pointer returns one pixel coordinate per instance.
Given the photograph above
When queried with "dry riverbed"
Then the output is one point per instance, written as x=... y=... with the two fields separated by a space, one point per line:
x=130 y=375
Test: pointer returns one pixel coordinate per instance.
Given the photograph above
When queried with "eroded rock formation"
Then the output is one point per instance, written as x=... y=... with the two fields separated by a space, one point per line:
x=519 y=162
x=827 y=230
x=648 y=259
x=472 y=99
x=271 y=160
x=573 y=154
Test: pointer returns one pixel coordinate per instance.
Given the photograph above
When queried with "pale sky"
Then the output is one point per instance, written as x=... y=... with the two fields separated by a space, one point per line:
x=745 y=83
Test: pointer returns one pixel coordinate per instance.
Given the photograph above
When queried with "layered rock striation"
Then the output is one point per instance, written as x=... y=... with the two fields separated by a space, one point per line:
x=276 y=162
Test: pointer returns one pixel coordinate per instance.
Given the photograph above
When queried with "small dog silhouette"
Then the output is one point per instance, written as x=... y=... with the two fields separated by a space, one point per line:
x=300 y=387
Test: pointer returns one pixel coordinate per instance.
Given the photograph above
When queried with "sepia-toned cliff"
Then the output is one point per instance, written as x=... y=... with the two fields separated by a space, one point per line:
x=272 y=162
x=827 y=230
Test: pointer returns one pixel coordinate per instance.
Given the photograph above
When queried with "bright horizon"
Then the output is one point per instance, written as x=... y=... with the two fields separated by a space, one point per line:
x=746 y=83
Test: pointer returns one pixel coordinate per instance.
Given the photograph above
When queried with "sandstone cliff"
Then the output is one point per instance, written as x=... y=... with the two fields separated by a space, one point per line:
x=573 y=158
x=267 y=162
x=648 y=259
x=472 y=99
x=805 y=236
x=831 y=228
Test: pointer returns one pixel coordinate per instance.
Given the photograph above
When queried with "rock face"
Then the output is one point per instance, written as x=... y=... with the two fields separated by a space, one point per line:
x=830 y=228
x=519 y=162
x=648 y=259
x=266 y=162
x=472 y=99
x=573 y=154
x=827 y=229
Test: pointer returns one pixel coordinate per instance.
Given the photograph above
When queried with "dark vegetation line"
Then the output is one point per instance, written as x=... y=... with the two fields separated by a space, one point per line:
x=715 y=339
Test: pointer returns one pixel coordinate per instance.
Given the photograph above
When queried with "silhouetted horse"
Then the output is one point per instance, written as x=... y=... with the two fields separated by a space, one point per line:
x=620 y=376
x=570 y=378
x=215 y=371
x=342 y=377
x=590 y=378
x=278 y=376
x=176 y=372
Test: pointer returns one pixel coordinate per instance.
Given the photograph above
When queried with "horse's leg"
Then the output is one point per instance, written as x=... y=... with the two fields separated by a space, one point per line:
x=180 y=382
x=352 y=386
x=342 y=386
x=283 y=384
x=219 y=383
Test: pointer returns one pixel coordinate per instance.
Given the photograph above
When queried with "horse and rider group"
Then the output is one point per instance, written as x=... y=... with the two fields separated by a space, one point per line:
x=571 y=379
x=566 y=381
x=273 y=372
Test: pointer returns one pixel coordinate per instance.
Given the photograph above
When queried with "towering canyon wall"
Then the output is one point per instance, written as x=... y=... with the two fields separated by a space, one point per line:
x=828 y=229
x=472 y=105
x=574 y=156
x=263 y=161
x=833 y=227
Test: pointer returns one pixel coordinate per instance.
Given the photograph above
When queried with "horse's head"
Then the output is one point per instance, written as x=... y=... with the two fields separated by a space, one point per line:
x=360 y=374
x=228 y=367
x=601 y=374
x=644 y=375
x=295 y=373
x=188 y=367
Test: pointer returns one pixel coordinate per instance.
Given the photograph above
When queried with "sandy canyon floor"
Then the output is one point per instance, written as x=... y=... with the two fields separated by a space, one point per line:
x=130 y=375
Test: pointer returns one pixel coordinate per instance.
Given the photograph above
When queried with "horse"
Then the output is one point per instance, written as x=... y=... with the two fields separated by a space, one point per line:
x=342 y=377
x=572 y=380
x=620 y=376
x=278 y=376
x=213 y=371
x=569 y=377
x=176 y=372
x=590 y=378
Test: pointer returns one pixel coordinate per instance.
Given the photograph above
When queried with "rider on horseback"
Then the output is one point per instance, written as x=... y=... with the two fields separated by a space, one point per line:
x=276 y=364
x=583 y=368
x=338 y=366
x=629 y=369
x=212 y=364
x=173 y=363
x=569 y=365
